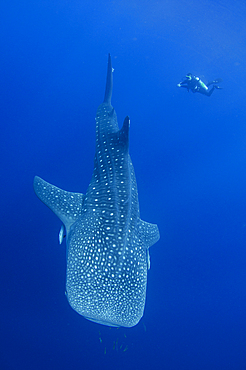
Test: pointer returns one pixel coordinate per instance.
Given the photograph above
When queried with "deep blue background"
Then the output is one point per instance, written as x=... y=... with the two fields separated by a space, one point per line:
x=189 y=154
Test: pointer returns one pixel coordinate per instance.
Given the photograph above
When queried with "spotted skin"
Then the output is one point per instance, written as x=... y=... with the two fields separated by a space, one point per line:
x=107 y=242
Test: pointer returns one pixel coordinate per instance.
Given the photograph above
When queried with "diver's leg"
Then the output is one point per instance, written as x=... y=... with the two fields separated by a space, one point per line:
x=209 y=93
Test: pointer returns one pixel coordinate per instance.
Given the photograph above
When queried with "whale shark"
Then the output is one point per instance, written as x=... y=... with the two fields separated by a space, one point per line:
x=107 y=243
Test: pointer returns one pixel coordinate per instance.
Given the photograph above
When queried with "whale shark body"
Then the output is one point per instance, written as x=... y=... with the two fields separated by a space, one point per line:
x=107 y=242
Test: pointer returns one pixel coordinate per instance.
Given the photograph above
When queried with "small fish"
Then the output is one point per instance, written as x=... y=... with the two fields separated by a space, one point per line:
x=61 y=234
x=148 y=259
x=126 y=348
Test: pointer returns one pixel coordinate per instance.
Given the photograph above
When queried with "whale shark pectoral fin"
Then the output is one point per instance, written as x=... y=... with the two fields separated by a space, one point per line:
x=66 y=205
x=149 y=233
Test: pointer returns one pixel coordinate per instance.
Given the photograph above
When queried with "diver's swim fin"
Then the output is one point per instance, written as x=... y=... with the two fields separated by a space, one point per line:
x=214 y=82
x=217 y=81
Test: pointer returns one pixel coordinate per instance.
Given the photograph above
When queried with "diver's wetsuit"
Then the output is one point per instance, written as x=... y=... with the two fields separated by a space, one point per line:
x=194 y=84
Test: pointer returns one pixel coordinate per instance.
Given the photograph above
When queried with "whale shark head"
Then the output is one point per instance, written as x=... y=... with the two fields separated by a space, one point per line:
x=107 y=242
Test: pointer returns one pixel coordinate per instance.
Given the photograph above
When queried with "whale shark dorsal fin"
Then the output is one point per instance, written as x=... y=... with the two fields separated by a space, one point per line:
x=124 y=131
x=66 y=205
x=148 y=233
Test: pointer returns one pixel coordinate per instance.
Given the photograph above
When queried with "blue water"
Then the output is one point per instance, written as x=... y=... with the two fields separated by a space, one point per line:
x=189 y=155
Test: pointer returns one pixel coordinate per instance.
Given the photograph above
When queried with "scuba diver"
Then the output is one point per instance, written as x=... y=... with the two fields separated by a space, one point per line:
x=194 y=84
